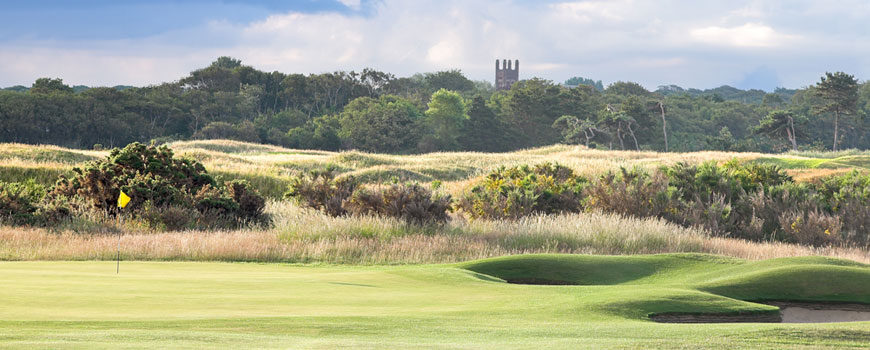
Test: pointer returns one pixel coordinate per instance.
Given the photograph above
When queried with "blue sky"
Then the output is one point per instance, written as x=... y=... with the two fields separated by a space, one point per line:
x=744 y=43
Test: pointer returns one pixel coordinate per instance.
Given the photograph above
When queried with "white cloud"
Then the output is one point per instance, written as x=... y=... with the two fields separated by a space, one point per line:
x=353 y=4
x=690 y=43
x=747 y=35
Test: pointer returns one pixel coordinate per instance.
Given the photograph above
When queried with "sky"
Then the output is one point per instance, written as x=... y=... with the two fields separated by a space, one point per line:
x=700 y=44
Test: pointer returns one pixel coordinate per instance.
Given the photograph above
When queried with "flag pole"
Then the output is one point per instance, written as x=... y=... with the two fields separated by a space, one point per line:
x=123 y=199
x=118 y=265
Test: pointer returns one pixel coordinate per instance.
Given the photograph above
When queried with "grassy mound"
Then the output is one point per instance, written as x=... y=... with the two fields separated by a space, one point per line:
x=791 y=279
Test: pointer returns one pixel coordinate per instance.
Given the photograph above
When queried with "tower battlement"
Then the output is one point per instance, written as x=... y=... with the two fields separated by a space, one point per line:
x=507 y=74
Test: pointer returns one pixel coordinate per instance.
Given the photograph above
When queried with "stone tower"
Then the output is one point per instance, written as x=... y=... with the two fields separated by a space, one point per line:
x=506 y=76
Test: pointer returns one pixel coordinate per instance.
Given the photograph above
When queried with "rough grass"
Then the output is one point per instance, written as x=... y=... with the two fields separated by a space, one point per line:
x=304 y=235
x=69 y=305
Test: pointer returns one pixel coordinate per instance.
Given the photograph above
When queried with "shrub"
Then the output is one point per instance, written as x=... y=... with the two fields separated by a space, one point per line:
x=412 y=203
x=811 y=227
x=631 y=193
x=162 y=188
x=22 y=203
x=143 y=172
x=18 y=202
x=512 y=193
x=322 y=191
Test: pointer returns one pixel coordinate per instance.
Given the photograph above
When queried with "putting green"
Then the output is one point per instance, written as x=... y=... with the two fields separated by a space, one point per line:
x=84 y=305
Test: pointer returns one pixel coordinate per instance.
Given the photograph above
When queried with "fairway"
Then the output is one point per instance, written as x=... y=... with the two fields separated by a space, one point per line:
x=195 y=305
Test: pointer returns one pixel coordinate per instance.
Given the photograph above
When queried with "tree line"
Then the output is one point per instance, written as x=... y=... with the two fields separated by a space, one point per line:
x=441 y=111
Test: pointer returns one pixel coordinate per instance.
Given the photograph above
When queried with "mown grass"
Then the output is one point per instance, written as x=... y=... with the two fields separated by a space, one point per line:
x=70 y=305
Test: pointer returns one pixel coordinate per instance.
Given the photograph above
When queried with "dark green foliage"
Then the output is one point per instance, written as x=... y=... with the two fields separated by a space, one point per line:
x=575 y=81
x=631 y=193
x=244 y=131
x=411 y=203
x=512 y=193
x=320 y=190
x=143 y=172
x=747 y=201
x=839 y=93
x=22 y=203
x=627 y=89
x=376 y=111
x=319 y=133
x=386 y=124
x=484 y=131
x=18 y=202
x=49 y=85
x=156 y=181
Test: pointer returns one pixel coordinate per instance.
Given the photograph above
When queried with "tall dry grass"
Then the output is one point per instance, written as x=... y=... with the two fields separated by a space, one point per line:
x=306 y=236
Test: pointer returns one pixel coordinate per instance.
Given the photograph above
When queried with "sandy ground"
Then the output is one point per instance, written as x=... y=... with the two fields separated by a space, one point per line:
x=803 y=315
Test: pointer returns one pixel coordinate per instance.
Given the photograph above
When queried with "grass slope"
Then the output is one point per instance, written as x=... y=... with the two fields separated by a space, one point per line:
x=267 y=167
x=84 y=305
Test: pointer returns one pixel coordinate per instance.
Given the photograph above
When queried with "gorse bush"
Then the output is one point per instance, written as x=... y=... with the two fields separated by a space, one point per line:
x=750 y=201
x=146 y=173
x=23 y=203
x=321 y=190
x=18 y=202
x=512 y=193
x=411 y=203
x=633 y=192
x=157 y=181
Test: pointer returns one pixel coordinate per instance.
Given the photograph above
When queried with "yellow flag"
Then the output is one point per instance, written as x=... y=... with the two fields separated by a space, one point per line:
x=123 y=199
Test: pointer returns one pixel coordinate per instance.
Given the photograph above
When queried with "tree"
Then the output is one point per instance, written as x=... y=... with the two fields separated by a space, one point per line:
x=387 y=124
x=575 y=81
x=572 y=128
x=777 y=123
x=319 y=133
x=531 y=106
x=375 y=81
x=626 y=88
x=773 y=100
x=659 y=106
x=839 y=91
x=483 y=132
x=444 y=119
x=452 y=80
x=49 y=85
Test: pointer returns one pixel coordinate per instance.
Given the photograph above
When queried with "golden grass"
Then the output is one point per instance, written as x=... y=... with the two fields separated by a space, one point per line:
x=269 y=167
x=302 y=235
x=454 y=169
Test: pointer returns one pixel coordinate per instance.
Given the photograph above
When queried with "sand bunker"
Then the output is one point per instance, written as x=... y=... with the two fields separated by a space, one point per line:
x=822 y=313
x=788 y=313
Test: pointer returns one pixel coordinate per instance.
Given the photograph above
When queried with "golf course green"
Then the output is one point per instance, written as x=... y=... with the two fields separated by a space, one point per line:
x=591 y=302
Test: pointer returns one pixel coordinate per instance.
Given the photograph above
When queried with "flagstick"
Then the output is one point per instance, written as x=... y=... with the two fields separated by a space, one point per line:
x=118 y=266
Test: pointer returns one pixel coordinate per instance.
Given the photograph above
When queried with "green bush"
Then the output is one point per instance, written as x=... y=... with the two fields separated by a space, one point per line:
x=753 y=201
x=512 y=193
x=322 y=191
x=631 y=193
x=22 y=203
x=161 y=186
x=411 y=203
x=18 y=202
